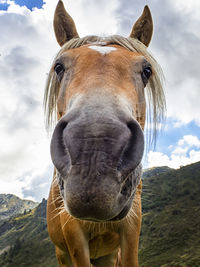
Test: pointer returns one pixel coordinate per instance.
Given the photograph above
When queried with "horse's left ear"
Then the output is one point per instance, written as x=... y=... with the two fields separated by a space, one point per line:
x=143 y=28
x=64 y=26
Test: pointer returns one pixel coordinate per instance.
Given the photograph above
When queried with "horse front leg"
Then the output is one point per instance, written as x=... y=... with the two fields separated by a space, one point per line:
x=77 y=243
x=63 y=258
x=130 y=233
x=107 y=261
x=129 y=251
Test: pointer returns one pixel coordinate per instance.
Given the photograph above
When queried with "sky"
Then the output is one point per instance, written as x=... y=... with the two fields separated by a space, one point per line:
x=27 y=48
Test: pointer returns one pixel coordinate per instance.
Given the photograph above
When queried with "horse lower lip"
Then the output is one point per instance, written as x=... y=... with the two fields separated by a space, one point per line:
x=75 y=188
x=121 y=215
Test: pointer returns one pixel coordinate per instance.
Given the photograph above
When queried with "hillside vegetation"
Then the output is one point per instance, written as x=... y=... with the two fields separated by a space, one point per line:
x=171 y=218
x=24 y=240
x=170 y=231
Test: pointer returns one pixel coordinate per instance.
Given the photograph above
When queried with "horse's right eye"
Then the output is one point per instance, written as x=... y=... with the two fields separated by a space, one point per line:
x=59 y=70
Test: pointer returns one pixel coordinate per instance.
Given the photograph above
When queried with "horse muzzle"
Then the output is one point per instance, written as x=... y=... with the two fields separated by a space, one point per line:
x=97 y=157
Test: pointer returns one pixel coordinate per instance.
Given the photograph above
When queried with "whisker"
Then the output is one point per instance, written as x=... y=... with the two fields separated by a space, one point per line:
x=59 y=198
x=58 y=208
x=54 y=217
x=69 y=219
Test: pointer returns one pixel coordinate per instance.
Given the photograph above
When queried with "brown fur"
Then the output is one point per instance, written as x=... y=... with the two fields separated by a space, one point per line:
x=82 y=243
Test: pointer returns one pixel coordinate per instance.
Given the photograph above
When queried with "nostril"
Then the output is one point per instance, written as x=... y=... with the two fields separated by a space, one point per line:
x=131 y=142
x=59 y=153
x=133 y=150
x=131 y=125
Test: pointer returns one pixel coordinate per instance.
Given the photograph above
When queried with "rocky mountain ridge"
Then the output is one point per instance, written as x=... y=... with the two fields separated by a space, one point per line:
x=11 y=205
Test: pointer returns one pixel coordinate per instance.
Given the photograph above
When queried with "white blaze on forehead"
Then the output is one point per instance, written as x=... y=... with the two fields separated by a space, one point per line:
x=103 y=49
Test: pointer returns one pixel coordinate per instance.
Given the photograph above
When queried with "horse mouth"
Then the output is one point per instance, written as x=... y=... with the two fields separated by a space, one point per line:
x=90 y=207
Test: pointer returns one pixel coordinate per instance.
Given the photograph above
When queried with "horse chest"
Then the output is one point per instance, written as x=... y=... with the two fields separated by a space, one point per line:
x=103 y=244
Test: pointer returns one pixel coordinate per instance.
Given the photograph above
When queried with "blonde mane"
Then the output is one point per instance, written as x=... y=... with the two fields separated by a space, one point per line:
x=155 y=95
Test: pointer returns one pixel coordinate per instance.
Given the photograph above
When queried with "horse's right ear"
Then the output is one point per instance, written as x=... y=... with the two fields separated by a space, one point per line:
x=64 y=26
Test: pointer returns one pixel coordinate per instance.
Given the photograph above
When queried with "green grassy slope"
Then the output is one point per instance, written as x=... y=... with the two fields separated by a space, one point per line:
x=26 y=240
x=171 y=219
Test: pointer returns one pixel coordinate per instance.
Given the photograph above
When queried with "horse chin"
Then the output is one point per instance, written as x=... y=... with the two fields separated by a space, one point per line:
x=91 y=207
x=125 y=210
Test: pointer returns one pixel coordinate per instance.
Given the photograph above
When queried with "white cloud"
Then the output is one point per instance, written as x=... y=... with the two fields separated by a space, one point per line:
x=189 y=140
x=12 y=187
x=186 y=151
x=24 y=62
x=188 y=6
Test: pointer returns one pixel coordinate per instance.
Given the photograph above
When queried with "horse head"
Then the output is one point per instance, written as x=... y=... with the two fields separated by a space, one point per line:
x=97 y=87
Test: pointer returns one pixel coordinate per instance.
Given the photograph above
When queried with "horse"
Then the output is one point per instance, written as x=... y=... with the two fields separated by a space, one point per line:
x=97 y=95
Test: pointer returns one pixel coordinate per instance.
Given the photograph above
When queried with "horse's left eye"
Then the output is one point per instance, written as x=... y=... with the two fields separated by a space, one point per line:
x=59 y=70
x=146 y=74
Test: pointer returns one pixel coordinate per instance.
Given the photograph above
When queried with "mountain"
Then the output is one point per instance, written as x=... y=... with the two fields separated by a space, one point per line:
x=170 y=235
x=155 y=171
x=11 y=205
x=24 y=240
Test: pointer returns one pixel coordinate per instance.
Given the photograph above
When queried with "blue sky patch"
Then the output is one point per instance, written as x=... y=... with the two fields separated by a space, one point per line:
x=171 y=135
x=4 y=6
x=30 y=4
